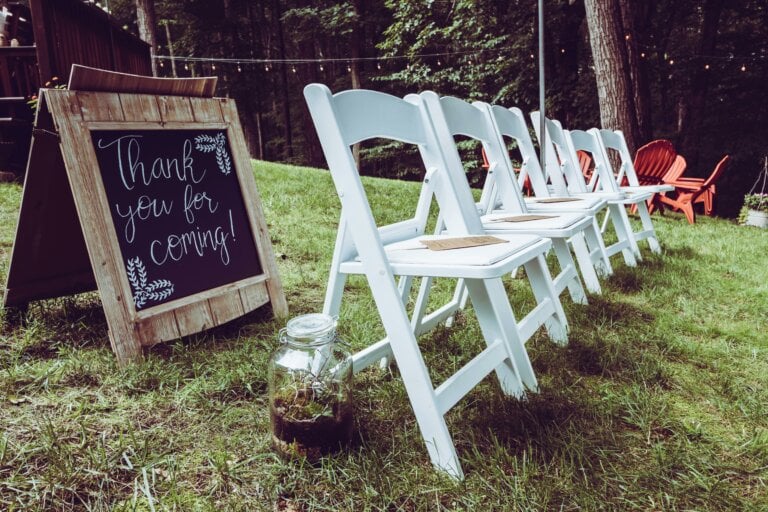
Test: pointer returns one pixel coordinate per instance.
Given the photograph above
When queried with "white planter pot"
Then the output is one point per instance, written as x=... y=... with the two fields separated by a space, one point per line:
x=755 y=218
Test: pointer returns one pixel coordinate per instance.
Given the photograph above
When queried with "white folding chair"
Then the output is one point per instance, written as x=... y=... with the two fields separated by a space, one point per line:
x=591 y=142
x=613 y=140
x=563 y=160
x=349 y=117
x=511 y=123
x=452 y=117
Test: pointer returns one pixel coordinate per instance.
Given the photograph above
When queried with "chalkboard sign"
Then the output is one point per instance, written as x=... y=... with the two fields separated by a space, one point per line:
x=150 y=198
x=178 y=211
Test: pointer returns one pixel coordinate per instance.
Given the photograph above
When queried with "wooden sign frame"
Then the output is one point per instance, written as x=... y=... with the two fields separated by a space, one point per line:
x=65 y=210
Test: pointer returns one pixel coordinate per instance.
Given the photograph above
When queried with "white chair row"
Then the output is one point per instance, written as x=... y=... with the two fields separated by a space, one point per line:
x=382 y=252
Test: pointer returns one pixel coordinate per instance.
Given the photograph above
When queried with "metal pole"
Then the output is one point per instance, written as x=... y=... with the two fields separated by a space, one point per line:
x=542 y=125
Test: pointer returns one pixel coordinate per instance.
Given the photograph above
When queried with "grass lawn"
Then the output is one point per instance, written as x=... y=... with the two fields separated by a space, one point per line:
x=659 y=402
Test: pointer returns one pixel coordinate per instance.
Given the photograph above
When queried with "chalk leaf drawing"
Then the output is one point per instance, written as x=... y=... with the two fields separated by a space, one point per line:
x=157 y=290
x=218 y=144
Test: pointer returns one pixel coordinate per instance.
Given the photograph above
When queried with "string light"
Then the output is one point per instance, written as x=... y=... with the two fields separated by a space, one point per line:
x=438 y=62
x=349 y=68
x=213 y=66
x=671 y=62
x=706 y=66
x=186 y=66
x=743 y=67
x=378 y=65
x=321 y=67
x=562 y=50
x=266 y=68
x=239 y=69
x=293 y=69
x=642 y=55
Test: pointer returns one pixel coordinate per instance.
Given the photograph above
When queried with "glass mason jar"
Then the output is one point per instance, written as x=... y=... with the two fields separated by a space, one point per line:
x=310 y=381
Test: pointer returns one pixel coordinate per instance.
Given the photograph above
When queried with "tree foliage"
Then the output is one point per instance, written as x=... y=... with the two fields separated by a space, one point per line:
x=481 y=49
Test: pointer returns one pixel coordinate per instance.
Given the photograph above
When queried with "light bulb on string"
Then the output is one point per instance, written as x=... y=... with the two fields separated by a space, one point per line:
x=349 y=68
x=562 y=50
x=266 y=68
x=438 y=62
x=642 y=55
x=239 y=69
x=186 y=66
x=671 y=62
x=706 y=66
x=213 y=66
x=378 y=65
x=743 y=67
x=293 y=69
x=321 y=67
x=162 y=64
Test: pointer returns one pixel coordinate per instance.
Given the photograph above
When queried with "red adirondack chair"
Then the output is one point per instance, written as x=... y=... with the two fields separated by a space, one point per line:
x=653 y=161
x=690 y=191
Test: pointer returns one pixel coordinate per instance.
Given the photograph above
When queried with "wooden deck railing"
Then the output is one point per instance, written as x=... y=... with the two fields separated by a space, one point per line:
x=65 y=32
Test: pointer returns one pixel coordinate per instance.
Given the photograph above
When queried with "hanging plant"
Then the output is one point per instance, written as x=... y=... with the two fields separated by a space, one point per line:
x=755 y=209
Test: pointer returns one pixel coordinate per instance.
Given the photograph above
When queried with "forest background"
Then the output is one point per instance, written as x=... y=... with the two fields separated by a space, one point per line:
x=694 y=72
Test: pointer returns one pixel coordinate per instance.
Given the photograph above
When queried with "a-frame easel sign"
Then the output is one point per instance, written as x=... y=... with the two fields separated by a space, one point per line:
x=150 y=197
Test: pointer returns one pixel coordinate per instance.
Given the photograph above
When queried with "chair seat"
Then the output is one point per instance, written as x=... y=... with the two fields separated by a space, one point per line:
x=607 y=195
x=585 y=204
x=653 y=189
x=410 y=257
x=634 y=195
x=555 y=225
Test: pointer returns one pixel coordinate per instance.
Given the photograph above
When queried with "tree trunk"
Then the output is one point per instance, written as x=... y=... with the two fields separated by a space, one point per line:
x=145 y=18
x=614 y=87
x=640 y=88
x=287 y=129
x=357 y=45
x=692 y=104
x=170 y=49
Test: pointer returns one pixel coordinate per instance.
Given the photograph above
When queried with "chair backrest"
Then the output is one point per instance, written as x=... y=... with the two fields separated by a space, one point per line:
x=562 y=156
x=511 y=123
x=614 y=140
x=653 y=160
x=462 y=118
x=717 y=172
x=353 y=116
x=676 y=170
x=591 y=142
x=557 y=165
x=585 y=162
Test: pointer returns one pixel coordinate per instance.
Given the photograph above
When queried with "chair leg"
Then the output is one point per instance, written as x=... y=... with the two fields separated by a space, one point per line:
x=497 y=321
x=568 y=267
x=588 y=272
x=597 y=250
x=413 y=370
x=709 y=200
x=688 y=211
x=421 y=394
x=621 y=224
x=541 y=284
x=645 y=218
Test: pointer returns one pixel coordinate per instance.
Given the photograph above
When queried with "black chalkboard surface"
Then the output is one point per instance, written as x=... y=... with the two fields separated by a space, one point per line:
x=178 y=211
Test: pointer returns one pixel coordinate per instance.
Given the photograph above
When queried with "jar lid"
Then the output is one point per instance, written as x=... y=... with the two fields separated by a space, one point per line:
x=313 y=325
